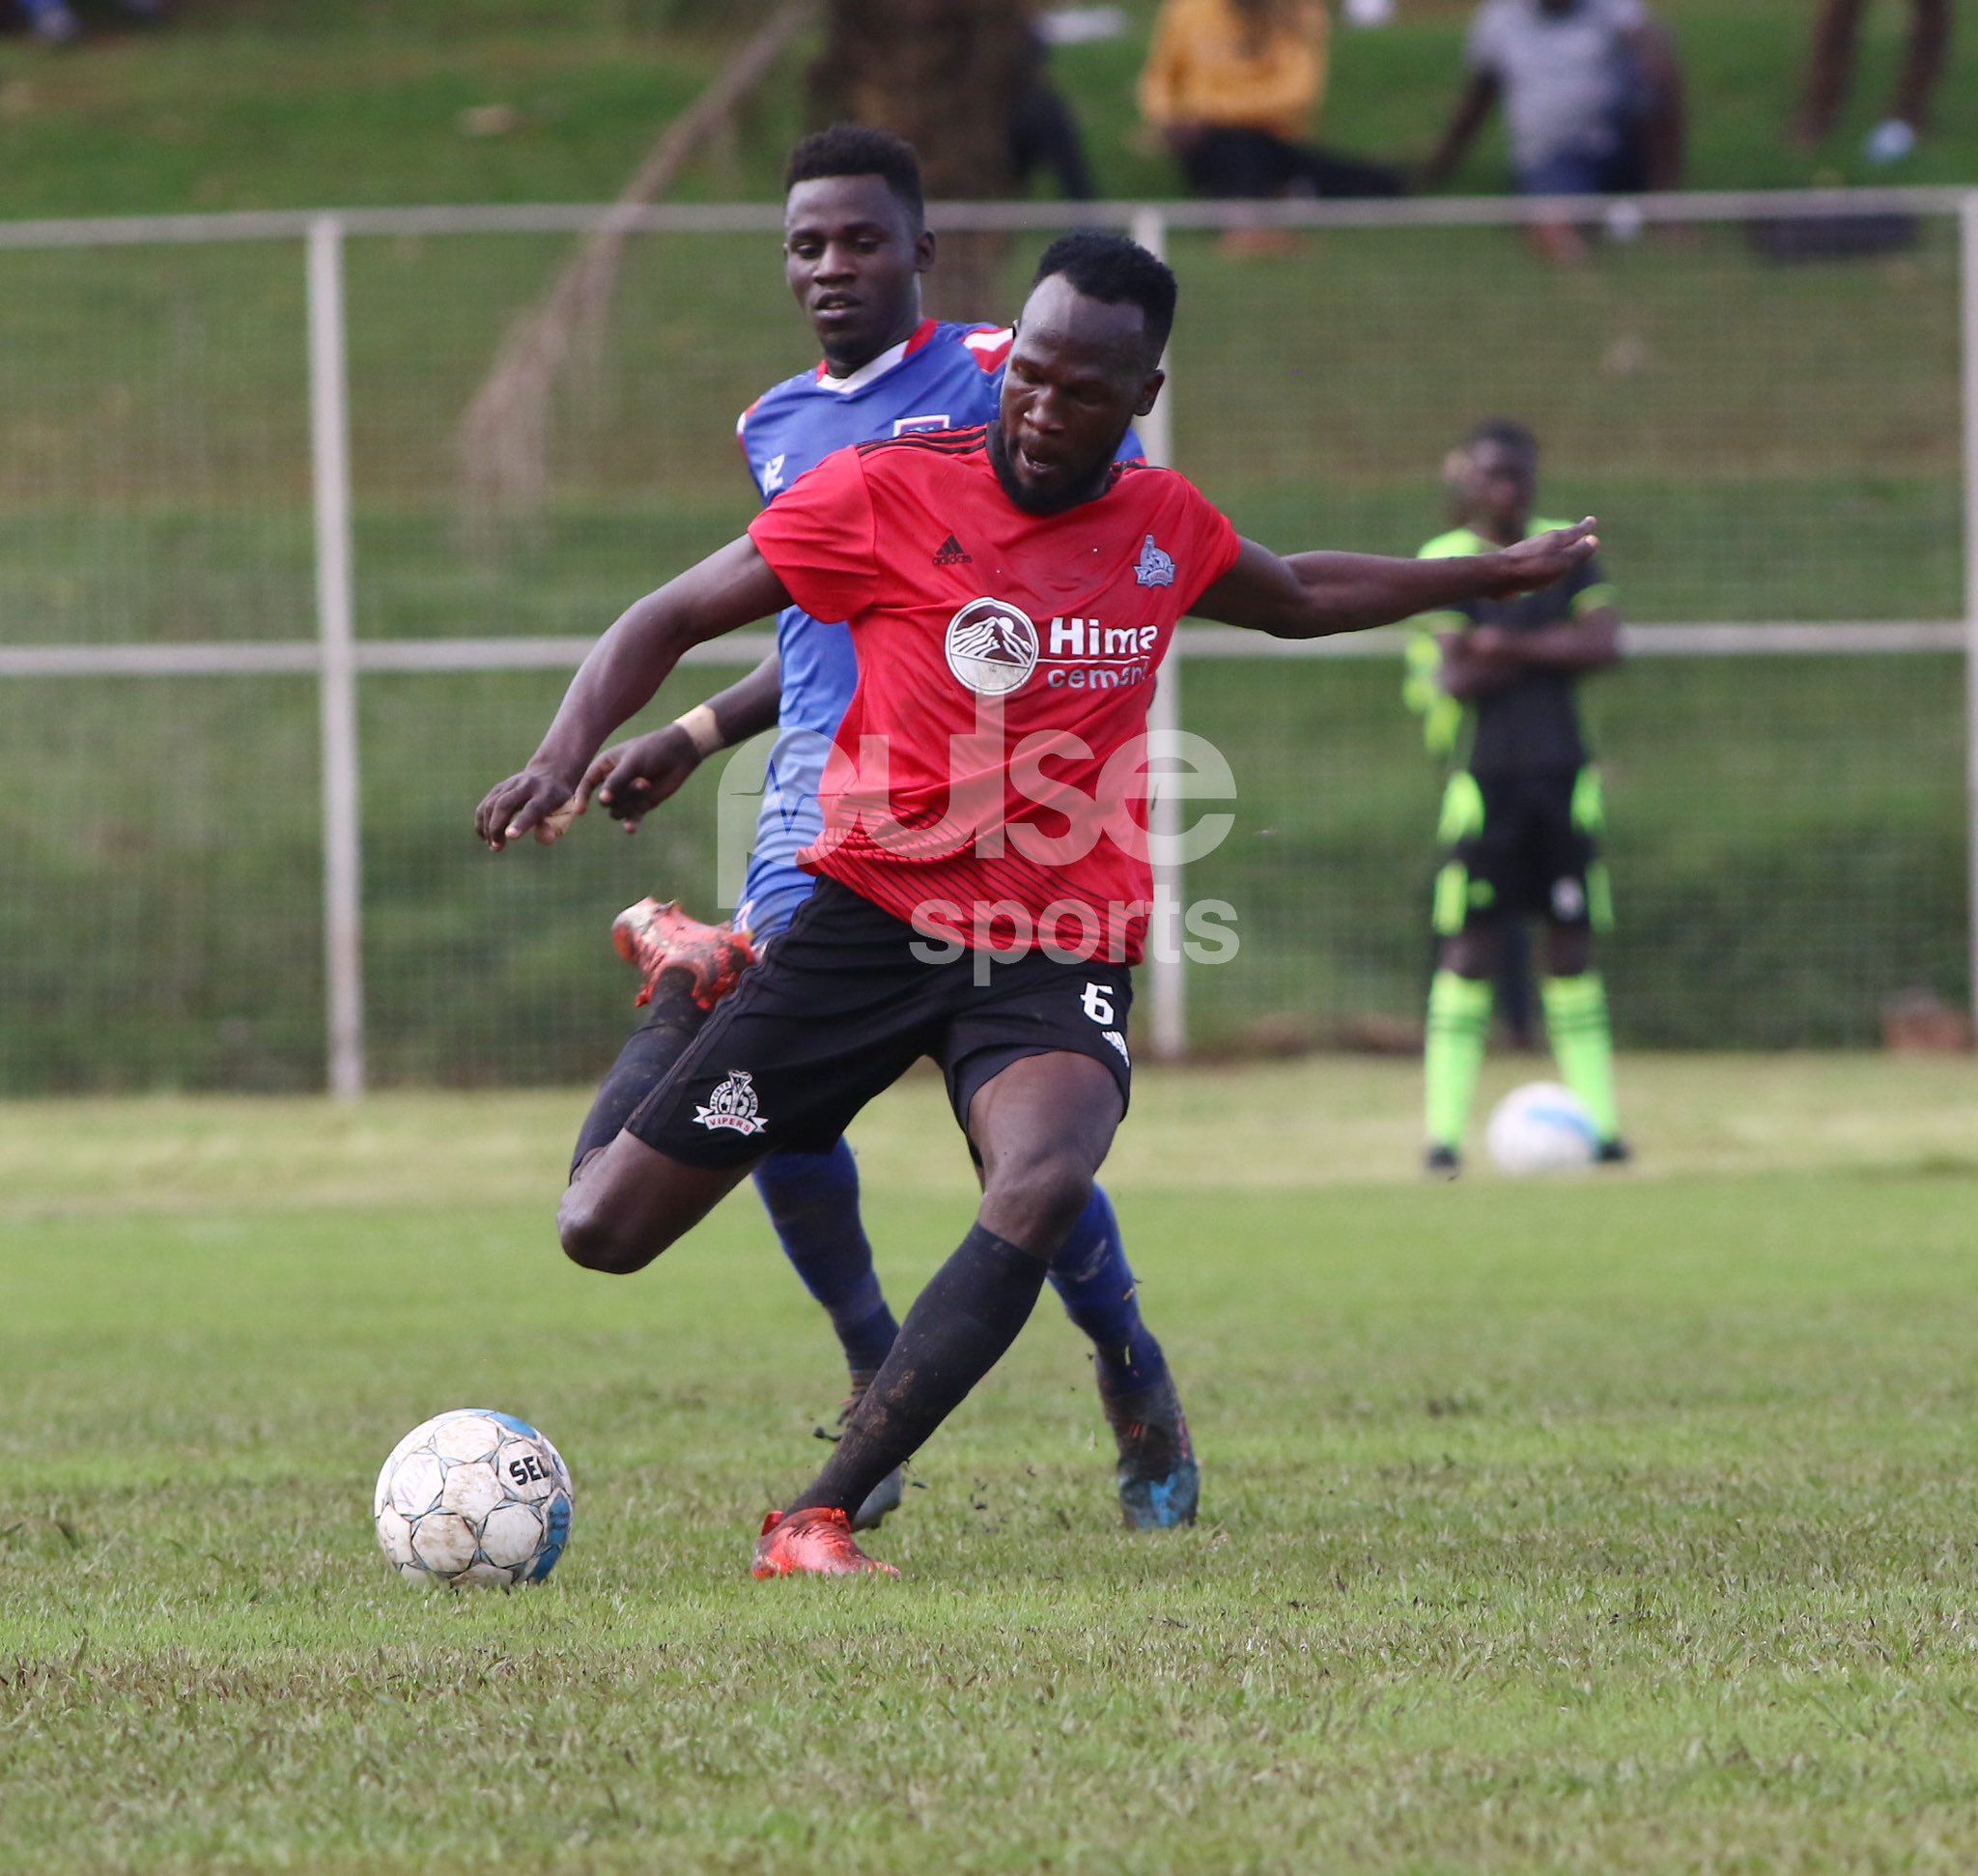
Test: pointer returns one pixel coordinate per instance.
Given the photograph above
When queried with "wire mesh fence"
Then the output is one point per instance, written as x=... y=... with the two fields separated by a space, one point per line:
x=161 y=889
x=154 y=445
x=1768 y=445
x=1786 y=836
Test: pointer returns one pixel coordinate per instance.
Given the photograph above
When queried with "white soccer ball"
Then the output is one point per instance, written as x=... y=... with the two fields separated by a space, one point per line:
x=1541 y=1128
x=473 y=1497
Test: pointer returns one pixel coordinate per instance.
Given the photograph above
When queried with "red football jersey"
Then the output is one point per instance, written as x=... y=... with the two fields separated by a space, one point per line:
x=989 y=780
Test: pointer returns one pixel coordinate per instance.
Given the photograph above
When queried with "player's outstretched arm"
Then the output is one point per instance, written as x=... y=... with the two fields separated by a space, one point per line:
x=1313 y=595
x=732 y=587
x=634 y=778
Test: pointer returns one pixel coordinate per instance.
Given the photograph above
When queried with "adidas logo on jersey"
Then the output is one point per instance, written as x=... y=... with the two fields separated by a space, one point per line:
x=954 y=554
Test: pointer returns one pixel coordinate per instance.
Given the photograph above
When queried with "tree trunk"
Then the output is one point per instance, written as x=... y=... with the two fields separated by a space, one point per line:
x=947 y=75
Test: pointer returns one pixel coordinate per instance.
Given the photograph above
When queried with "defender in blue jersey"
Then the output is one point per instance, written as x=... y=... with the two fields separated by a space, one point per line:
x=941 y=377
x=856 y=246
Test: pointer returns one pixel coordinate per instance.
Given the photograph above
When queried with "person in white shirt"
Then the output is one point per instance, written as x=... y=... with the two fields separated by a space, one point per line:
x=1592 y=94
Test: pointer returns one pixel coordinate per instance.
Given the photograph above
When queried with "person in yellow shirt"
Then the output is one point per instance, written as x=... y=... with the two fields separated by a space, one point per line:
x=1232 y=86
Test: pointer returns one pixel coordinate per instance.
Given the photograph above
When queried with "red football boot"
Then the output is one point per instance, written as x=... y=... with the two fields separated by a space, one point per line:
x=658 y=938
x=814 y=1542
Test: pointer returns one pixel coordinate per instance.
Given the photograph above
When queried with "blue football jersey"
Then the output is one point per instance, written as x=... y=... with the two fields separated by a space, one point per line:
x=945 y=377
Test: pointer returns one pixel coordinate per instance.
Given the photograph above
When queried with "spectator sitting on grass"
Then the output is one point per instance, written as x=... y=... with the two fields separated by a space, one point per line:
x=1232 y=86
x=1593 y=96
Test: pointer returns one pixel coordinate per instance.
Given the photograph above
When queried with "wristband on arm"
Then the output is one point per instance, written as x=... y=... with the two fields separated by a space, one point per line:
x=702 y=730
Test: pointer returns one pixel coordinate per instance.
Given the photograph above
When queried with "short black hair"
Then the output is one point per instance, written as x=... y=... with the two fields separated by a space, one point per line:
x=1507 y=433
x=1117 y=271
x=854 y=150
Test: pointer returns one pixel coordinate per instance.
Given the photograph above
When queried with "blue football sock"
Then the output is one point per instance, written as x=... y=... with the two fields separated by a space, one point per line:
x=1095 y=1284
x=814 y=1203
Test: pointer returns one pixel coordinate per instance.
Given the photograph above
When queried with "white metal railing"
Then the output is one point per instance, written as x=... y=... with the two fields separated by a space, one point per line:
x=337 y=658
x=372 y=657
x=765 y=217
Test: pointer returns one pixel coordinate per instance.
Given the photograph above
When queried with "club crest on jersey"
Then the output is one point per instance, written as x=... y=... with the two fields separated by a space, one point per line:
x=732 y=1107
x=992 y=646
x=1154 y=568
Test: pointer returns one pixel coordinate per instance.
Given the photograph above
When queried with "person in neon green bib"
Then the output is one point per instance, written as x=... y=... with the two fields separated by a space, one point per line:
x=1496 y=683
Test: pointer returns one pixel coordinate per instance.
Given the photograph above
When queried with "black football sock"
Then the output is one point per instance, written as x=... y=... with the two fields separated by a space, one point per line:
x=956 y=1331
x=673 y=1021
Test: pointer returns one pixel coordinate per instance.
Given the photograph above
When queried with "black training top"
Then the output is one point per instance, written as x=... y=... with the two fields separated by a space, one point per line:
x=1532 y=721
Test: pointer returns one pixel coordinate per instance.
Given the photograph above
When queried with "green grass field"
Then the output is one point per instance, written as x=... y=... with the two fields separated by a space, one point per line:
x=1620 y=1526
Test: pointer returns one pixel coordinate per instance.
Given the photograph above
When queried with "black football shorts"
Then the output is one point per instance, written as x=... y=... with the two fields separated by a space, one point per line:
x=841 y=1006
x=1522 y=845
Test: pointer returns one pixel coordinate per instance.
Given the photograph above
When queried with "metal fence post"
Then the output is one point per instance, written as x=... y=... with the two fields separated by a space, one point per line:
x=330 y=436
x=1168 y=978
x=1967 y=291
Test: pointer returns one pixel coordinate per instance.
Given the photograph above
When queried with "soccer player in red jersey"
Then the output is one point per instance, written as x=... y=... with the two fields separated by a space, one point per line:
x=984 y=881
x=856 y=246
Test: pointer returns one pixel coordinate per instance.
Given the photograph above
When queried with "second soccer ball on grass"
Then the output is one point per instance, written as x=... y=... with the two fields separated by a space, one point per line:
x=1541 y=1128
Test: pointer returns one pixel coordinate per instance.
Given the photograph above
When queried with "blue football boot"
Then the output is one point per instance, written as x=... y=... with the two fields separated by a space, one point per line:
x=1159 y=1482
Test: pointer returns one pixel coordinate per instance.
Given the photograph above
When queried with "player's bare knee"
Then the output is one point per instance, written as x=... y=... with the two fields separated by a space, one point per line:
x=594 y=1240
x=1569 y=950
x=1471 y=954
x=1035 y=1198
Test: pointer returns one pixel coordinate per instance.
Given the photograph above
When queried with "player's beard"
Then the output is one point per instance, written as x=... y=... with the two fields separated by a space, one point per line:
x=1029 y=500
